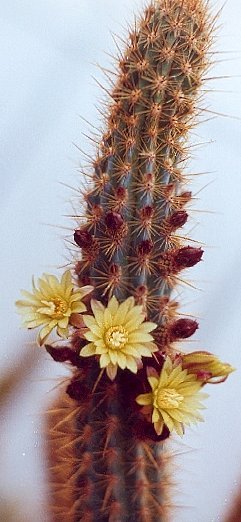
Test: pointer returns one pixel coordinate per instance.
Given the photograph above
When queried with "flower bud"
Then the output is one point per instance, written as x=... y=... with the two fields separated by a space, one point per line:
x=77 y=391
x=121 y=193
x=178 y=219
x=184 y=198
x=82 y=238
x=146 y=213
x=188 y=256
x=114 y=220
x=63 y=354
x=182 y=329
x=206 y=366
x=145 y=247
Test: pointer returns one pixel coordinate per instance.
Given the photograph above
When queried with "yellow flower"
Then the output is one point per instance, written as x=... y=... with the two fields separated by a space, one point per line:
x=52 y=305
x=175 y=398
x=119 y=335
x=206 y=366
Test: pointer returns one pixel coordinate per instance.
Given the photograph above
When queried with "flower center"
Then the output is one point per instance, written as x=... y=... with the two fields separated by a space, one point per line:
x=60 y=306
x=116 y=337
x=168 y=398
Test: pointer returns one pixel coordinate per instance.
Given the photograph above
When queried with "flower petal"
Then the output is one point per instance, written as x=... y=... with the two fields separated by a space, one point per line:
x=144 y=399
x=121 y=361
x=63 y=323
x=147 y=327
x=107 y=319
x=155 y=415
x=89 y=321
x=66 y=280
x=88 y=350
x=113 y=356
x=85 y=290
x=159 y=425
x=120 y=316
x=44 y=333
x=98 y=311
x=90 y=336
x=140 y=337
x=131 y=364
x=111 y=371
x=113 y=305
x=104 y=360
x=78 y=307
x=63 y=332
x=153 y=381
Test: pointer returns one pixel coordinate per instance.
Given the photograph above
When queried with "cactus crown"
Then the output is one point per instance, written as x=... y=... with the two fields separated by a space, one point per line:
x=130 y=241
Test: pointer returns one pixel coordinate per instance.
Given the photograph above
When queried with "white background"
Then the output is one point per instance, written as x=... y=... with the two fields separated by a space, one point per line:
x=48 y=49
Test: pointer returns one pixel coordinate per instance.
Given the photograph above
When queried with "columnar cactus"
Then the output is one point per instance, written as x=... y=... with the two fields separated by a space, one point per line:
x=132 y=385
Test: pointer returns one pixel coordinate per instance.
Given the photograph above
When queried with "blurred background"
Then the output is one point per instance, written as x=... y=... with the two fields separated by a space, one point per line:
x=49 y=49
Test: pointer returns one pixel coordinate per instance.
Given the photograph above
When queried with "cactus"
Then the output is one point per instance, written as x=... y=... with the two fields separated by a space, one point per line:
x=109 y=454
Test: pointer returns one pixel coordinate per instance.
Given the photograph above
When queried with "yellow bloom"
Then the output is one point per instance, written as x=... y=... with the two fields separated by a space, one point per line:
x=206 y=366
x=52 y=305
x=119 y=335
x=175 y=398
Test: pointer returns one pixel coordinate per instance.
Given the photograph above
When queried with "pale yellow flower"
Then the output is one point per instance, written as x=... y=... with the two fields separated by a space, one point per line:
x=119 y=334
x=175 y=398
x=52 y=304
x=206 y=366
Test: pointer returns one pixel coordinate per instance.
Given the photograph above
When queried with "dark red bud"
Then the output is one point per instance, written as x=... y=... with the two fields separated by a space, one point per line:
x=63 y=354
x=82 y=238
x=85 y=280
x=77 y=391
x=183 y=328
x=188 y=256
x=186 y=196
x=121 y=193
x=147 y=212
x=141 y=291
x=178 y=219
x=113 y=220
x=145 y=247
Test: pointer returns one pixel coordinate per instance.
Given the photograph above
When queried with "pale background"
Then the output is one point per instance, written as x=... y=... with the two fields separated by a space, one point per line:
x=48 y=49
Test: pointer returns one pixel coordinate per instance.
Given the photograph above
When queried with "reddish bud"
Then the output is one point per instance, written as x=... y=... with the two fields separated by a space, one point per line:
x=147 y=212
x=121 y=193
x=77 y=391
x=82 y=238
x=141 y=295
x=188 y=256
x=64 y=354
x=141 y=291
x=85 y=279
x=178 y=202
x=182 y=329
x=178 y=219
x=145 y=247
x=113 y=220
x=186 y=196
